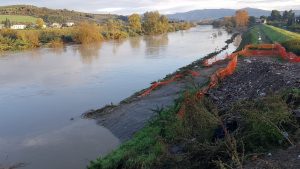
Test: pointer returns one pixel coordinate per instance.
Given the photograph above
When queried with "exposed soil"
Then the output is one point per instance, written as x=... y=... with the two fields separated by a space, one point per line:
x=256 y=77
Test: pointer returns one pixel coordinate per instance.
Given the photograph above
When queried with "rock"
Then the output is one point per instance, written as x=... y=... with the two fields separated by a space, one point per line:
x=269 y=154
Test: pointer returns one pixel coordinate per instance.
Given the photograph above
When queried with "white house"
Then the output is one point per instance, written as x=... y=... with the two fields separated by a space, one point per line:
x=18 y=27
x=56 y=25
x=70 y=24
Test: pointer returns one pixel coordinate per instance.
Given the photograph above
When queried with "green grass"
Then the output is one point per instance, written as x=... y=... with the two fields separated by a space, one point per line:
x=249 y=37
x=279 y=35
x=18 y=18
x=260 y=125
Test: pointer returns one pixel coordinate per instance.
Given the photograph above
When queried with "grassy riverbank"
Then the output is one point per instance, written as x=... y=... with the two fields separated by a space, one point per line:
x=198 y=141
x=210 y=136
x=271 y=34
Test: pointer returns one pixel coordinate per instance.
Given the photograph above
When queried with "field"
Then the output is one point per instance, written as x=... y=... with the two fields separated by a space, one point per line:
x=279 y=35
x=18 y=18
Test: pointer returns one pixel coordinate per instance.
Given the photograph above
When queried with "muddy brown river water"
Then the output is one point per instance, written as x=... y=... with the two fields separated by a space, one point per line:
x=43 y=93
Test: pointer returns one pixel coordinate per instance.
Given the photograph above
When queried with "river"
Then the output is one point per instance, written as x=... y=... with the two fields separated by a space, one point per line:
x=44 y=91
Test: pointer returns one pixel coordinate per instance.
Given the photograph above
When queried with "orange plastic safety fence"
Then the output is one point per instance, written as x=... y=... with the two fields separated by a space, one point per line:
x=172 y=79
x=259 y=50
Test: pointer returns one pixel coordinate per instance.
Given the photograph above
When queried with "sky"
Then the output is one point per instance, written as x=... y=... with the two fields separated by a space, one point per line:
x=164 y=6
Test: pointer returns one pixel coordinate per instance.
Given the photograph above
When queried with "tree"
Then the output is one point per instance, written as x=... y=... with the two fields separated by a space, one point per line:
x=87 y=33
x=252 y=21
x=163 y=24
x=135 y=22
x=154 y=23
x=275 y=15
x=241 y=18
x=40 y=23
x=7 y=23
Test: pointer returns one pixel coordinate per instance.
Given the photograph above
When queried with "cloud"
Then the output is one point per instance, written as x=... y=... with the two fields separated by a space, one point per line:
x=164 y=6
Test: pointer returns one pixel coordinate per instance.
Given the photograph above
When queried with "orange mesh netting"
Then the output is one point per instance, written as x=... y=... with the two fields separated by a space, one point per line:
x=172 y=79
x=249 y=50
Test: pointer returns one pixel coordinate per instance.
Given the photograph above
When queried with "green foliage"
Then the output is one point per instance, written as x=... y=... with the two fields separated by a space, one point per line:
x=147 y=146
x=18 y=18
x=154 y=23
x=249 y=37
x=275 y=15
x=53 y=15
x=114 y=29
x=260 y=127
x=262 y=122
x=292 y=46
x=135 y=23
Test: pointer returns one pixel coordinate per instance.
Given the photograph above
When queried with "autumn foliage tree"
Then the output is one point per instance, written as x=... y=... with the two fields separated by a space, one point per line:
x=241 y=18
x=87 y=33
x=154 y=23
x=40 y=23
x=135 y=22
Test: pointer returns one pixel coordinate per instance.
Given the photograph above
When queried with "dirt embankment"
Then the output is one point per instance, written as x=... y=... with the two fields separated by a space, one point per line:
x=132 y=114
x=256 y=77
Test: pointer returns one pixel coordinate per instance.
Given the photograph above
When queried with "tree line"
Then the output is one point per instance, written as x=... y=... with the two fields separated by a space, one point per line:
x=150 y=23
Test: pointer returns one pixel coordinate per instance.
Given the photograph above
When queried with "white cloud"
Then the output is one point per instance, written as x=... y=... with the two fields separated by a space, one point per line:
x=164 y=6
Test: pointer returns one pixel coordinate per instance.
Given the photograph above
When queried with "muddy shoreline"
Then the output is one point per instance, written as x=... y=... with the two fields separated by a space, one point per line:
x=131 y=114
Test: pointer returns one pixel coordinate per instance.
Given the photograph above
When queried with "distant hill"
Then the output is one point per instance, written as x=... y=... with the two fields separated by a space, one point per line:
x=18 y=18
x=198 y=15
x=55 y=15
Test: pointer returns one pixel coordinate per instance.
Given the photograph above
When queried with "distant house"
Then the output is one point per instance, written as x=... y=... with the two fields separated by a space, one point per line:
x=18 y=26
x=258 y=20
x=297 y=19
x=44 y=26
x=56 y=25
x=69 y=24
x=2 y=26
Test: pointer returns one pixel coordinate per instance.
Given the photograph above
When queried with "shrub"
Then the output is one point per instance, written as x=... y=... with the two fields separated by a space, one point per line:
x=29 y=36
x=292 y=46
x=87 y=33
x=56 y=43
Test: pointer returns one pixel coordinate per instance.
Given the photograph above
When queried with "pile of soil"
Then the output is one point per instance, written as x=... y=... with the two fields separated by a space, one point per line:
x=255 y=77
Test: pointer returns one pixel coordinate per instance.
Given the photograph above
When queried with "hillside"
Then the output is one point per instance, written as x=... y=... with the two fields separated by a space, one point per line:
x=197 y=15
x=54 y=15
x=18 y=18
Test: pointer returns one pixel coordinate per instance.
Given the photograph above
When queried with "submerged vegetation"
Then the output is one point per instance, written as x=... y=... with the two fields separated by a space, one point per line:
x=207 y=137
x=150 y=23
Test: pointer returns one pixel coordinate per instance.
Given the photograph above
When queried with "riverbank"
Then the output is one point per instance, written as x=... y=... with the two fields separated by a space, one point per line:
x=254 y=119
x=87 y=33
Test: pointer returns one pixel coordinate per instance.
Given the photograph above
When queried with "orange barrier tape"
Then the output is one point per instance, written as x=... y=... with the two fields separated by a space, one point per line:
x=174 y=78
x=249 y=50
x=259 y=50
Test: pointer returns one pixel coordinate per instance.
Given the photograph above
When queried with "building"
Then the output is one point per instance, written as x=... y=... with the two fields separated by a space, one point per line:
x=56 y=25
x=18 y=26
x=297 y=19
x=69 y=24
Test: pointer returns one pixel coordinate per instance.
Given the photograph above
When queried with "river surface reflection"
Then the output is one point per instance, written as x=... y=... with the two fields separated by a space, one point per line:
x=43 y=93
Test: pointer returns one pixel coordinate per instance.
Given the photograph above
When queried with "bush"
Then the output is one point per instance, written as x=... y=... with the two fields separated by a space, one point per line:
x=292 y=46
x=87 y=33
x=57 y=43
x=29 y=36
